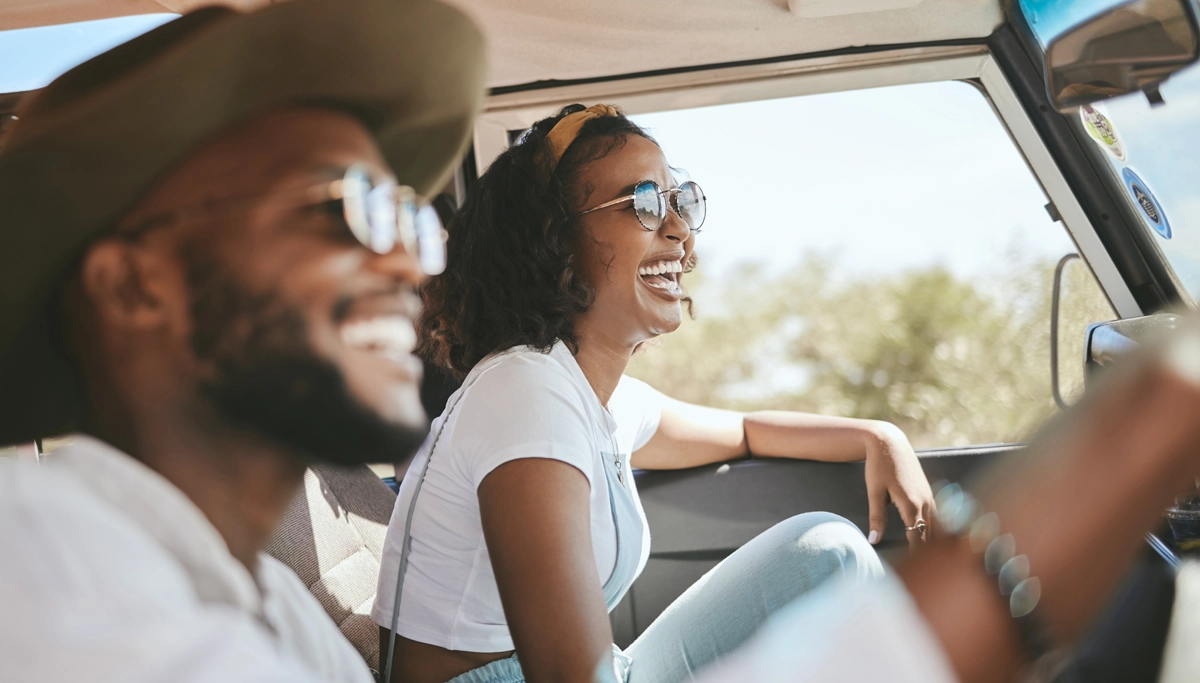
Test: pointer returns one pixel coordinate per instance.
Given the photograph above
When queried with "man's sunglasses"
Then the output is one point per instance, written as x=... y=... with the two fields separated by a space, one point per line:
x=379 y=212
x=650 y=204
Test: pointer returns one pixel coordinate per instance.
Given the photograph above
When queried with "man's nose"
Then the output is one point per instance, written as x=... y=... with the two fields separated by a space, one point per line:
x=399 y=264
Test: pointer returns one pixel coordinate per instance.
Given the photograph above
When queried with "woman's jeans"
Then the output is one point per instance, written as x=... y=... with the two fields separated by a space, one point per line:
x=722 y=610
x=728 y=604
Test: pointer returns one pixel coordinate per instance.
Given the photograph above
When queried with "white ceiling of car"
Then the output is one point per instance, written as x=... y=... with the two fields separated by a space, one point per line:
x=533 y=40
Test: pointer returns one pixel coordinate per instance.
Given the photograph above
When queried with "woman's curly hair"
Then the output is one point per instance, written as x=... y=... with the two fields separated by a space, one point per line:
x=511 y=278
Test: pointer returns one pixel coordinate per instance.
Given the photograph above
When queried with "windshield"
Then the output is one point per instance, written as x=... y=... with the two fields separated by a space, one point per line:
x=1153 y=153
x=32 y=57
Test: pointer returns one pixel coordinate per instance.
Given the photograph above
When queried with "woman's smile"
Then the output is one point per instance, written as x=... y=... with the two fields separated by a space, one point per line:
x=662 y=276
x=618 y=244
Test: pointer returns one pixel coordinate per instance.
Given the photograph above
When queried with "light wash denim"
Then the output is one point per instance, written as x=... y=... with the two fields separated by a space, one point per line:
x=500 y=671
x=722 y=610
x=727 y=605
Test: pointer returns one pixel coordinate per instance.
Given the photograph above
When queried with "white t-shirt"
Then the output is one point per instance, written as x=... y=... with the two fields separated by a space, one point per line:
x=517 y=404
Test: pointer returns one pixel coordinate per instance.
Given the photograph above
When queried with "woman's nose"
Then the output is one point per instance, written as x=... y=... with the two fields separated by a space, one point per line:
x=674 y=229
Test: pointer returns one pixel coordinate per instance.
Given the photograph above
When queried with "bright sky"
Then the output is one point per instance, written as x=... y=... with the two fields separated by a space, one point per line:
x=886 y=179
x=32 y=57
x=1048 y=18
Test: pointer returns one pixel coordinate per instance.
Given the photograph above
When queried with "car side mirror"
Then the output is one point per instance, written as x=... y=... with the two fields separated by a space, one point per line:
x=1108 y=342
x=1134 y=46
x=1076 y=303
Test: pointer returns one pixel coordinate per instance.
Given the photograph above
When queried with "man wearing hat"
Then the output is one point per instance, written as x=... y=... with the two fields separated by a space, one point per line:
x=212 y=237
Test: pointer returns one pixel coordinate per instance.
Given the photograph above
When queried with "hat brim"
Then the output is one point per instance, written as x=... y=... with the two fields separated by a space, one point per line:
x=412 y=71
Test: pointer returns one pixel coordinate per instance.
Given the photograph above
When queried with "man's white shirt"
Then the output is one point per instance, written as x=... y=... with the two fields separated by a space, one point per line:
x=110 y=573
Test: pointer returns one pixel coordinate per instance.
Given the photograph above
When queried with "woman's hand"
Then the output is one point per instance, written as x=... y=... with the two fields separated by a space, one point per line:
x=894 y=475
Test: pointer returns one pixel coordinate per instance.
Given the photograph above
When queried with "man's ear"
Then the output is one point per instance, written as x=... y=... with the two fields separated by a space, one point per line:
x=123 y=284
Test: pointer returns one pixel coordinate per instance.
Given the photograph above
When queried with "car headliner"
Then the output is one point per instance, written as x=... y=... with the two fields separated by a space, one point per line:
x=536 y=40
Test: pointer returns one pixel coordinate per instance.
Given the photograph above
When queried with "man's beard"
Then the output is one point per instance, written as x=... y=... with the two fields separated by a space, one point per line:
x=267 y=377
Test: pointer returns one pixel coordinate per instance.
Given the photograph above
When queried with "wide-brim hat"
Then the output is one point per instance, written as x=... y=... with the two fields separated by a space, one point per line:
x=87 y=146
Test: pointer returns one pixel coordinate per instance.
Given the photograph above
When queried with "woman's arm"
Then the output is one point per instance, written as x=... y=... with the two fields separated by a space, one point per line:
x=537 y=524
x=689 y=436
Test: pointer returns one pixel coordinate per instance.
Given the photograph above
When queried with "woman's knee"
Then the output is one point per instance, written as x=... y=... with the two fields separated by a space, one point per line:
x=824 y=545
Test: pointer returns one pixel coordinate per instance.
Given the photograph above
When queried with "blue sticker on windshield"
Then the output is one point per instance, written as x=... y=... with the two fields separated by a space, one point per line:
x=1147 y=203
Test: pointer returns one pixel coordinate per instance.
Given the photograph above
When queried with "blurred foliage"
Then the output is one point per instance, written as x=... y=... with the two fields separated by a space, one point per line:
x=951 y=361
x=48 y=446
x=53 y=444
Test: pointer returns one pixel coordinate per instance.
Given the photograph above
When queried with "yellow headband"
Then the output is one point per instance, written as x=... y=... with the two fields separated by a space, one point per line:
x=566 y=130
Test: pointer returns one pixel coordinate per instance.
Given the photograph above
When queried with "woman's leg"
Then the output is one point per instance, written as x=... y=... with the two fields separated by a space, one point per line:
x=729 y=603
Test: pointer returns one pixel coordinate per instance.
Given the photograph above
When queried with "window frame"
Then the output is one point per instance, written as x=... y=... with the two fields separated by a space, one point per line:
x=1109 y=180
x=1153 y=281
x=974 y=63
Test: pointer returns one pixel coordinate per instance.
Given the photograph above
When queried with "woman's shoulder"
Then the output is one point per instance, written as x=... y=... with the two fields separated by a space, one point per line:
x=521 y=403
x=523 y=367
x=524 y=385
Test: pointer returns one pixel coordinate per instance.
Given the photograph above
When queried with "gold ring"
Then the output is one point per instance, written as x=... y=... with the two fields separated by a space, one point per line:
x=919 y=527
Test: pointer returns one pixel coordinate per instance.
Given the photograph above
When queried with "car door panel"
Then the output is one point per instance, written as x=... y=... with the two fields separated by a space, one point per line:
x=699 y=516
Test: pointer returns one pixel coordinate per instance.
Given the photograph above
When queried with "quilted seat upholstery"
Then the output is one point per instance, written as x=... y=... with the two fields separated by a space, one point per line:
x=332 y=537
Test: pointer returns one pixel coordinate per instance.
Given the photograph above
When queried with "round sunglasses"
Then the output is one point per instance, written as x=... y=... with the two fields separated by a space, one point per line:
x=379 y=212
x=650 y=204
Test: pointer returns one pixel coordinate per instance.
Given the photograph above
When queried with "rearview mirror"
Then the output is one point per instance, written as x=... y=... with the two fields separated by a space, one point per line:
x=1134 y=46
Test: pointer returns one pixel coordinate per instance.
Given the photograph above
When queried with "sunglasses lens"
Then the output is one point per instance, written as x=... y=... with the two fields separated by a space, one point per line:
x=431 y=240
x=649 y=204
x=381 y=216
x=356 y=185
x=691 y=204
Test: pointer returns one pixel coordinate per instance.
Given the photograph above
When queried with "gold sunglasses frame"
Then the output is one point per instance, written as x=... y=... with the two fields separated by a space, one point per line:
x=671 y=205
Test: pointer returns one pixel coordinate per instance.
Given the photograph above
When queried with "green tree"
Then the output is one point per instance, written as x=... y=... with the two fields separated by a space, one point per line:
x=951 y=361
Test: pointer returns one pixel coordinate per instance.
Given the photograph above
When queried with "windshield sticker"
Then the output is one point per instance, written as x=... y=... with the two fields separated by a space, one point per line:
x=1144 y=198
x=1101 y=129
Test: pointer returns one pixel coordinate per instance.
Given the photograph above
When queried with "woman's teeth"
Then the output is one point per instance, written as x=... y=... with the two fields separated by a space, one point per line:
x=661 y=268
x=392 y=336
x=662 y=275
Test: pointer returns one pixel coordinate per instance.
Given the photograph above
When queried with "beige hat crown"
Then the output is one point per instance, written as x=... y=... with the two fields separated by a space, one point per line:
x=90 y=143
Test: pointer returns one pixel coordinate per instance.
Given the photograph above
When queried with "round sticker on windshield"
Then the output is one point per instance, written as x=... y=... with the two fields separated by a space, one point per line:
x=1101 y=129
x=1147 y=203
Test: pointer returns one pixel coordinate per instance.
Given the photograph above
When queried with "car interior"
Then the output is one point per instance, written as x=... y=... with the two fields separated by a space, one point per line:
x=669 y=56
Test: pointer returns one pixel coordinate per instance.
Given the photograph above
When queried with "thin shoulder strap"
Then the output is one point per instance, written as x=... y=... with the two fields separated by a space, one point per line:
x=406 y=545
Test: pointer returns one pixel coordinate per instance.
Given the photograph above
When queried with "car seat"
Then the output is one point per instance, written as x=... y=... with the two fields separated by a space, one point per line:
x=332 y=537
